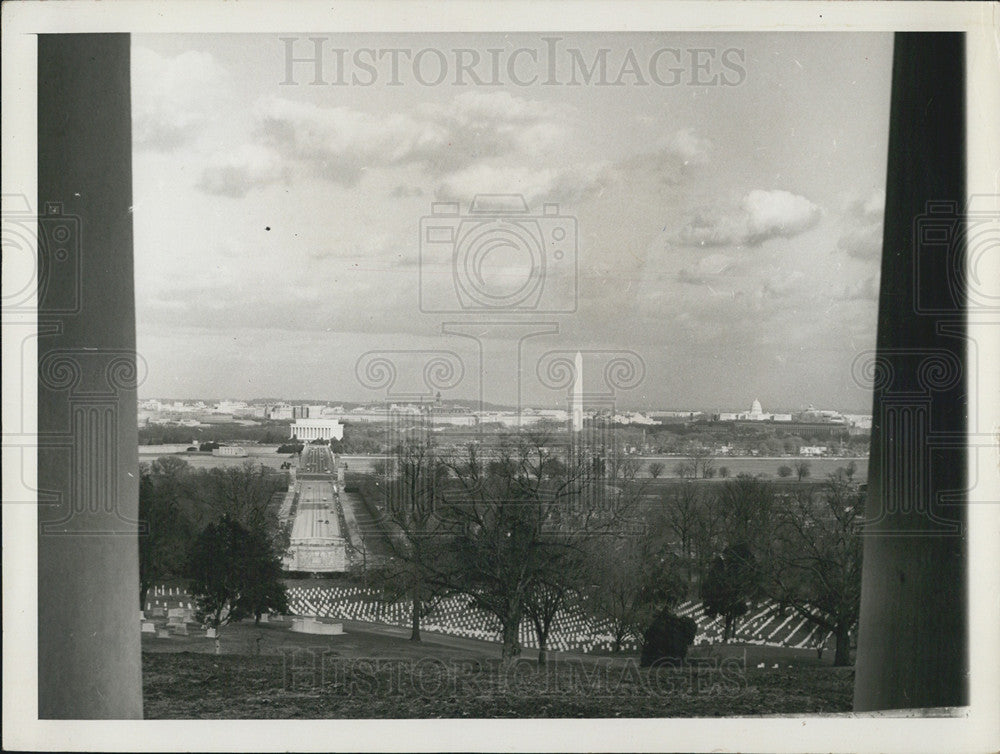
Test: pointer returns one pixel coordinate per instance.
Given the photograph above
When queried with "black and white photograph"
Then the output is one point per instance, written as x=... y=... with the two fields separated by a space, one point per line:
x=528 y=376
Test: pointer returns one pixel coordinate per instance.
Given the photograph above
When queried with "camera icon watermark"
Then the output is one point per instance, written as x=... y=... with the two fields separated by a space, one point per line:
x=498 y=257
x=41 y=255
x=951 y=243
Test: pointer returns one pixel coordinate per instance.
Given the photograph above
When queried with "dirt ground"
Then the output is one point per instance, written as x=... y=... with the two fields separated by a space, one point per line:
x=374 y=671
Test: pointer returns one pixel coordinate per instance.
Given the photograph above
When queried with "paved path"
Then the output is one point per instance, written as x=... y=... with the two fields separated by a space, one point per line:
x=317 y=543
x=316 y=517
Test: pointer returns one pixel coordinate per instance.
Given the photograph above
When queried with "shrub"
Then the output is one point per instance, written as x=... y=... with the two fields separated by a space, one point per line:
x=784 y=471
x=667 y=639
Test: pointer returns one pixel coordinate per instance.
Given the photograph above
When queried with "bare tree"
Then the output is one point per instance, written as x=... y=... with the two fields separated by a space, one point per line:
x=633 y=579
x=621 y=465
x=701 y=460
x=707 y=536
x=656 y=468
x=543 y=600
x=519 y=524
x=684 y=470
x=412 y=482
x=802 y=469
x=680 y=515
x=746 y=504
x=732 y=533
x=246 y=493
x=731 y=586
x=816 y=558
x=384 y=469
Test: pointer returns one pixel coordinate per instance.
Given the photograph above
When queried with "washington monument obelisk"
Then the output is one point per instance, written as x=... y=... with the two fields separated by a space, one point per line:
x=577 y=406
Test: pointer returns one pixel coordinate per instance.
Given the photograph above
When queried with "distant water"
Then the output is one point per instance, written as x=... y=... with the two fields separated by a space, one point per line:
x=147 y=450
x=266 y=454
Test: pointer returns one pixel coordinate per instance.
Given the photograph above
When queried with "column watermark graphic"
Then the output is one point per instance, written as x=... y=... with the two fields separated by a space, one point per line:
x=80 y=389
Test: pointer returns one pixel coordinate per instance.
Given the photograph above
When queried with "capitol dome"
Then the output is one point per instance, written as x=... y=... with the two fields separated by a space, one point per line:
x=755 y=409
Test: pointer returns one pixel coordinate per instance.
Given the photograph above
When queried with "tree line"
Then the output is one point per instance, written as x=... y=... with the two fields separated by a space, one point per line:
x=526 y=527
x=359 y=437
x=748 y=541
x=219 y=529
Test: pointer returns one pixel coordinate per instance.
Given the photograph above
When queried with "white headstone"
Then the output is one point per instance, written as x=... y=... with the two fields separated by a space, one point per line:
x=209 y=633
x=263 y=618
x=148 y=627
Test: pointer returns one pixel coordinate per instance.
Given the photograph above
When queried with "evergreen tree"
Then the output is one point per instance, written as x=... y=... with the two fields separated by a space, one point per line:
x=234 y=574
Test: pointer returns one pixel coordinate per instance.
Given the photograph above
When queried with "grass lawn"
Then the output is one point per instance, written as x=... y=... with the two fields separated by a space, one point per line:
x=376 y=672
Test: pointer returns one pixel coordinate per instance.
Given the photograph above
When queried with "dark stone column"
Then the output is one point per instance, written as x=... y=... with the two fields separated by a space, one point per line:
x=88 y=586
x=913 y=633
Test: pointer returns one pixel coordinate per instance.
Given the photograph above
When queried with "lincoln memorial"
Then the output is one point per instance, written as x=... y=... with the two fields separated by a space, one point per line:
x=317 y=429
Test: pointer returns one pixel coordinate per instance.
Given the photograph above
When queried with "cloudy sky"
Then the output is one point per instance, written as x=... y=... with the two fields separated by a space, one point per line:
x=725 y=220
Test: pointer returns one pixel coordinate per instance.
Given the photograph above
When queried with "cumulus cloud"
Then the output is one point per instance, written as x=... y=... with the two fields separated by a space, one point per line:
x=340 y=143
x=783 y=284
x=863 y=290
x=711 y=228
x=534 y=184
x=403 y=191
x=173 y=97
x=477 y=142
x=669 y=160
x=862 y=243
x=778 y=214
x=705 y=270
x=761 y=216
x=482 y=125
x=687 y=145
x=235 y=173
x=862 y=234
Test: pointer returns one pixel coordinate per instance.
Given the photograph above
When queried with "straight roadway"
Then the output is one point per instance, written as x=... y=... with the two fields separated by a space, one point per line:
x=316 y=459
x=317 y=543
x=316 y=519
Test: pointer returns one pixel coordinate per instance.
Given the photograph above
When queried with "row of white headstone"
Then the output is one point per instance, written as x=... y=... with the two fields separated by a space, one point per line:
x=167 y=591
x=177 y=620
x=172 y=629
